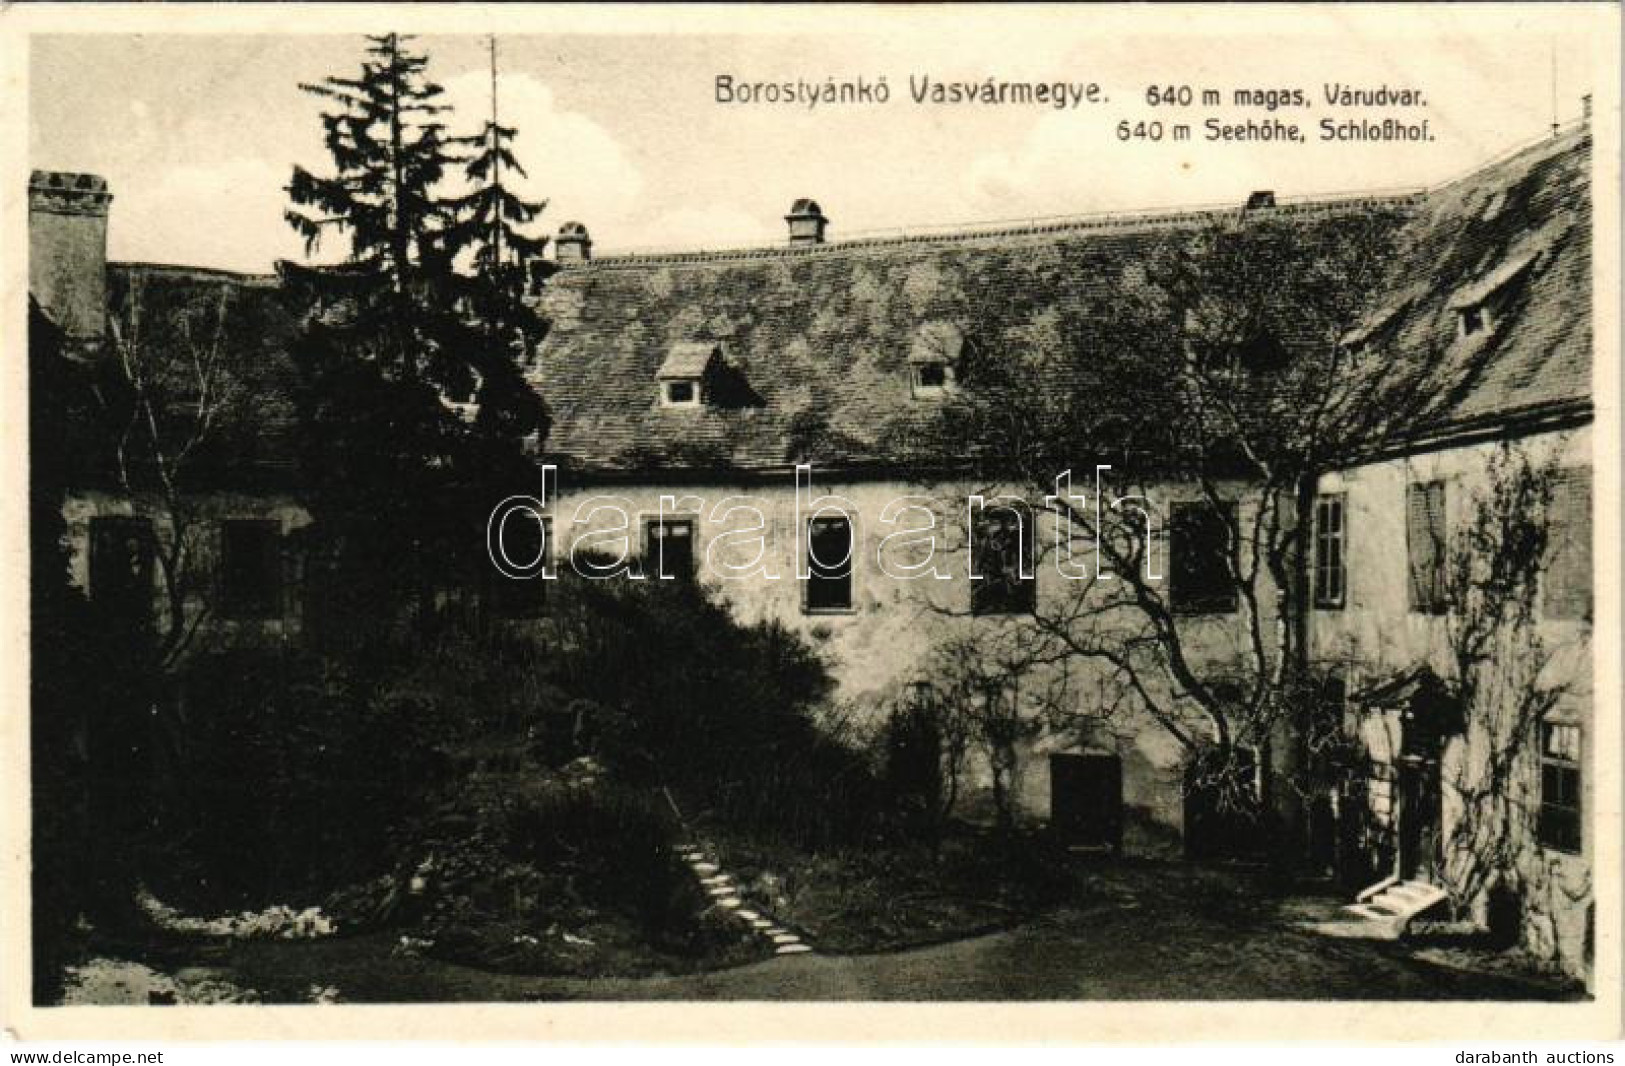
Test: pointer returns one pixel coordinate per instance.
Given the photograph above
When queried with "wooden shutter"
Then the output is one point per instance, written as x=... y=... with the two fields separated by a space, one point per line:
x=1566 y=579
x=1425 y=545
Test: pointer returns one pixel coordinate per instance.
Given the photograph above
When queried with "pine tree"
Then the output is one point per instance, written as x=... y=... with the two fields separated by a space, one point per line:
x=389 y=152
x=398 y=483
x=489 y=217
x=505 y=262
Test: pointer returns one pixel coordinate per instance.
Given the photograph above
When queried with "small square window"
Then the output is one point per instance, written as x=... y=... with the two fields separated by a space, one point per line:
x=932 y=379
x=682 y=393
x=1474 y=319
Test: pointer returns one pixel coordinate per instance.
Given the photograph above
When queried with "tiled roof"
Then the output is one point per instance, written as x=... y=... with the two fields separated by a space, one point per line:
x=821 y=337
x=1517 y=233
x=687 y=359
x=257 y=444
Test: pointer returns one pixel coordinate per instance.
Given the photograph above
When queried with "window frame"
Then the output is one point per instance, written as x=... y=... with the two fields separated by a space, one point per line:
x=1560 y=822
x=1020 y=598
x=1321 y=597
x=816 y=579
x=1231 y=600
x=654 y=550
x=141 y=527
x=696 y=394
x=923 y=388
x=235 y=604
x=1472 y=319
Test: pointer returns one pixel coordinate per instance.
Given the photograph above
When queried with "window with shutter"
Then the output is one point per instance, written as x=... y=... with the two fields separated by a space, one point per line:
x=1566 y=577
x=1425 y=546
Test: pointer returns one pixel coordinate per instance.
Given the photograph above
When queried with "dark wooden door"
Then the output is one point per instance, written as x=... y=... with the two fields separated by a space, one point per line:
x=1419 y=814
x=1086 y=799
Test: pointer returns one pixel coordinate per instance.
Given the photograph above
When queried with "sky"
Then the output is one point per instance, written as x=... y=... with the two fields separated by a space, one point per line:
x=197 y=133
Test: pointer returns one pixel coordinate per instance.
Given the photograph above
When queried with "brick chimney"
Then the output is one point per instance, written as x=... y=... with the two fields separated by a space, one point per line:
x=67 y=250
x=572 y=245
x=807 y=222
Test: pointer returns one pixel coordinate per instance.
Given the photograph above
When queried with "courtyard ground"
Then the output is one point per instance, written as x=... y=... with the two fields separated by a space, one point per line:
x=1147 y=931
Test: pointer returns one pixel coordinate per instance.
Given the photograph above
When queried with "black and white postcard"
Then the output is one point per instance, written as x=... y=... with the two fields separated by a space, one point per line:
x=1058 y=523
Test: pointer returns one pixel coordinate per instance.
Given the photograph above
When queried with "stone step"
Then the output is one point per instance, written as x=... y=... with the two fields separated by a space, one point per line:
x=729 y=903
x=719 y=879
x=1368 y=912
x=786 y=938
x=749 y=916
x=791 y=949
x=704 y=869
x=1352 y=930
x=1377 y=889
x=760 y=923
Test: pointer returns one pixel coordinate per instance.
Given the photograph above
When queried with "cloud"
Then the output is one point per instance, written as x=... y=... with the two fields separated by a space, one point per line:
x=573 y=163
x=1069 y=165
x=226 y=214
x=705 y=227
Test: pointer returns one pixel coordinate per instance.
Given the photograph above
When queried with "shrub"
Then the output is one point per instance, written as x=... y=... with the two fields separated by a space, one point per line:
x=726 y=715
x=617 y=844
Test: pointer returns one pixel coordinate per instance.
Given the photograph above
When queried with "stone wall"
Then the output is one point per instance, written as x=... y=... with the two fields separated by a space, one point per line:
x=1376 y=633
x=888 y=638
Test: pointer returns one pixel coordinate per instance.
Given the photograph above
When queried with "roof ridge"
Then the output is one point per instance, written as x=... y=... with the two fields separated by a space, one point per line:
x=252 y=277
x=1116 y=222
x=1547 y=144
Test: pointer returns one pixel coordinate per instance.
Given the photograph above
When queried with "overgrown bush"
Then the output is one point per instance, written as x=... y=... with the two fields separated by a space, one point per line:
x=617 y=844
x=726 y=715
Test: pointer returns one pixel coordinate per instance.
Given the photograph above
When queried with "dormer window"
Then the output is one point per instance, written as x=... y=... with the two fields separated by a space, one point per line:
x=930 y=376
x=1377 y=331
x=1473 y=319
x=682 y=393
x=683 y=376
x=933 y=360
x=1480 y=306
